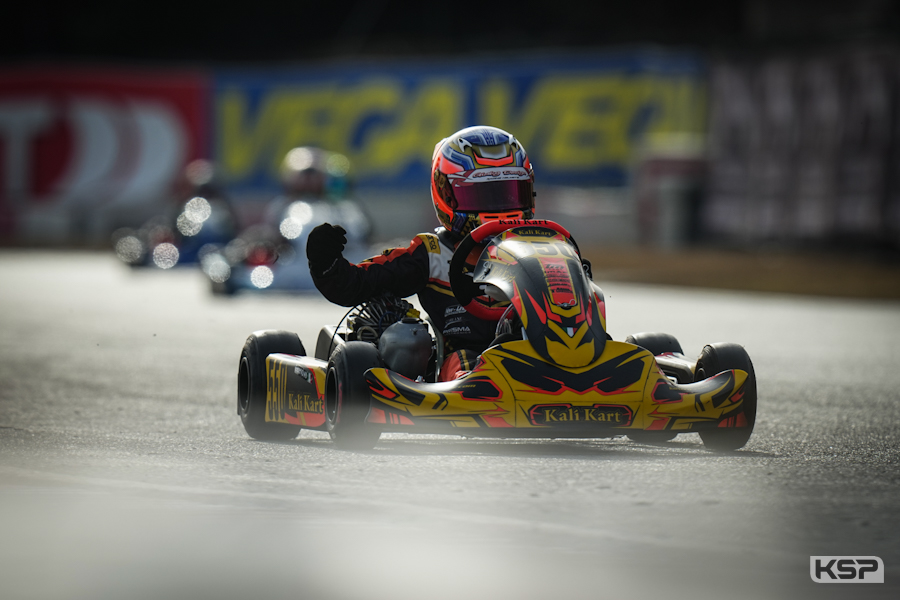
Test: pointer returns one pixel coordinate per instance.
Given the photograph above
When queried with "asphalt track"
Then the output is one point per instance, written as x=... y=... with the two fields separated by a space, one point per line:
x=125 y=472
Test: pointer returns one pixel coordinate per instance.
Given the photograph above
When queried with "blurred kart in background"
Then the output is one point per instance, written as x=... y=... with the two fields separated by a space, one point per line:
x=202 y=220
x=265 y=258
x=271 y=255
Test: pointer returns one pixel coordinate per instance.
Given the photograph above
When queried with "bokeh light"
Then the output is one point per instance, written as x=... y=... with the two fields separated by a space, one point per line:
x=300 y=158
x=216 y=267
x=199 y=172
x=337 y=165
x=301 y=212
x=290 y=228
x=130 y=250
x=165 y=255
x=186 y=226
x=262 y=277
x=198 y=209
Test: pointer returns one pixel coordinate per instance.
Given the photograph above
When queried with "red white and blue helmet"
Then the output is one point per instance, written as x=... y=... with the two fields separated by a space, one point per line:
x=480 y=174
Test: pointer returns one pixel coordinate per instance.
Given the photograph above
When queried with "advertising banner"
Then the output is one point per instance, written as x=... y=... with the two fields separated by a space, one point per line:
x=581 y=120
x=804 y=149
x=77 y=144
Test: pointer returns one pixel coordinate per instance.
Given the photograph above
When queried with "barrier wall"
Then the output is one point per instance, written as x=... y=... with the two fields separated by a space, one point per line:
x=85 y=151
x=787 y=149
x=805 y=149
x=581 y=120
x=81 y=145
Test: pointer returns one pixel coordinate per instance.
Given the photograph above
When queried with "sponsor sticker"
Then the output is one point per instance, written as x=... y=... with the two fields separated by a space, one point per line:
x=568 y=414
x=291 y=391
x=846 y=569
x=559 y=281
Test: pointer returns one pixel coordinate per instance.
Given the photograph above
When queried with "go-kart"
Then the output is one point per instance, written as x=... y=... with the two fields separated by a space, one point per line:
x=179 y=238
x=552 y=372
x=271 y=256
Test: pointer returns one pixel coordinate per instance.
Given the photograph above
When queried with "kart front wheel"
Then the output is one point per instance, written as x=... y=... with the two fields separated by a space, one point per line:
x=252 y=383
x=347 y=396
x=714 y=359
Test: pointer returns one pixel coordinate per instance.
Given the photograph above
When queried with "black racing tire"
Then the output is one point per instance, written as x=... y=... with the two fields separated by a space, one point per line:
x=252 y=383
x=655 y=343
x=347 y=396
x=714 y=359
x=643 y=436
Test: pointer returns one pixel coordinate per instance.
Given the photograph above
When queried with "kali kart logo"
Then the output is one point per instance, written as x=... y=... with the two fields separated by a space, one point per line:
x=568 y=414
x=846 y=569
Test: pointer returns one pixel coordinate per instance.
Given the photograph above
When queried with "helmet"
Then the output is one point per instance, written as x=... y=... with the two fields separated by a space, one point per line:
x=312 y=172
x=303 y=172
x=480 y=174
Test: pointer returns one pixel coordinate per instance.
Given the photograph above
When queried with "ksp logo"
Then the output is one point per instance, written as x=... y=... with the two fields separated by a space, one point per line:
x=846 y=569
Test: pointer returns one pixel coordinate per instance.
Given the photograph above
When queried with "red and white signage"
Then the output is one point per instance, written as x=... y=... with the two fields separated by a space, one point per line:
x=79 y=140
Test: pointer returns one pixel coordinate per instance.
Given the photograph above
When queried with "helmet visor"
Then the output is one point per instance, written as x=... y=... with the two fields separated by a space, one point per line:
x=493 y=196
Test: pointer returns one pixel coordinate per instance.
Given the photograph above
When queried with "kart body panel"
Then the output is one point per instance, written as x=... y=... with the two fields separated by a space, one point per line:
x=295 y=390
x=539 y=271
x=513 y=388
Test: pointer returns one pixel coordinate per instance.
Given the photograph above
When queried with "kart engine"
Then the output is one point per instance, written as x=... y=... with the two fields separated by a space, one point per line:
x=394 y=326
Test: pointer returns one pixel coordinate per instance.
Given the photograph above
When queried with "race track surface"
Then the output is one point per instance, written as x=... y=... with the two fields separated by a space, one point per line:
x=125 y=472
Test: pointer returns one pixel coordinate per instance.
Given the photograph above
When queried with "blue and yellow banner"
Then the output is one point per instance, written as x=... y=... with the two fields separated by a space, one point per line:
x=581 y=120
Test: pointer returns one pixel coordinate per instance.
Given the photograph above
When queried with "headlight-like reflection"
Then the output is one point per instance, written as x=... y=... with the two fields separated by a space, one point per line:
x=130 y=250
x=301 y=212
x=197 y=209
x=186 y=226
x=262 y=277
x=216 y=267
x=298 y=214
x=165 y=256
x=195 y=214
x=290 y=229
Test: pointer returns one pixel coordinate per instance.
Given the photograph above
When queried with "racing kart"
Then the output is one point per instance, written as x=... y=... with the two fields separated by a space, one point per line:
x=552 y=371
x=271 y=256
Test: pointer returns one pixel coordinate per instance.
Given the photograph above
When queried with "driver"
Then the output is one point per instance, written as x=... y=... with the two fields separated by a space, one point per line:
x=478 y=174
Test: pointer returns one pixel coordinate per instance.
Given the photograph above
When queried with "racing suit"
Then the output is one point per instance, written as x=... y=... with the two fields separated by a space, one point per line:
x=421 y=268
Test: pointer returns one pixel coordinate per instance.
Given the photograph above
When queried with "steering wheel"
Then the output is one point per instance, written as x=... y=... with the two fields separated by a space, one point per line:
x=461 y=283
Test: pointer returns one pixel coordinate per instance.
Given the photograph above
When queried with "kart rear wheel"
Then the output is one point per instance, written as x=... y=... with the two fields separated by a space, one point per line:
x=714 y=359
x=656 y=343
x=252 y=383
x=347 y=396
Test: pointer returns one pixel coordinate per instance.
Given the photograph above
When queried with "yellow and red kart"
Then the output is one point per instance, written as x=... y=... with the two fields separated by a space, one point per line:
x=552 y=372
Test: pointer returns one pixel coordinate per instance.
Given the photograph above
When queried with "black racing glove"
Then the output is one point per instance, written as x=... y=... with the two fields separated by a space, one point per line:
x=325 y=246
